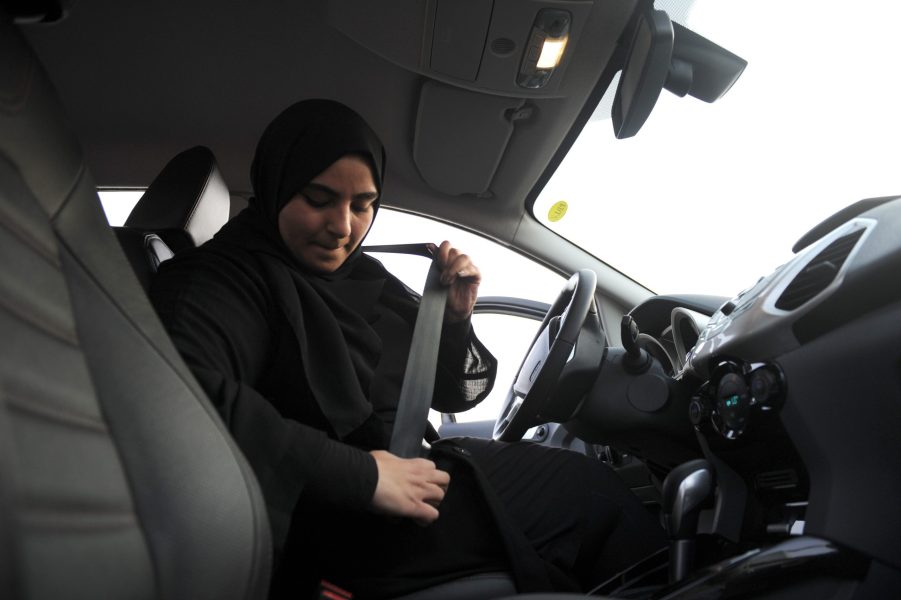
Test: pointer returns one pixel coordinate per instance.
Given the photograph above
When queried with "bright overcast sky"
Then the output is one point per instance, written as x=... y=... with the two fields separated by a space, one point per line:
x=707 y=198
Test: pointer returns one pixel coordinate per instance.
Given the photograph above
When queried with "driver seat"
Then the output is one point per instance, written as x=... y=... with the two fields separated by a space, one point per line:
x=117 y=478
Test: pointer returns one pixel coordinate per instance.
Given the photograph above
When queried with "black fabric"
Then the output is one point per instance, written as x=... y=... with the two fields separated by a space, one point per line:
x=226 y=310
x=304 y=366
x=306 y=370
x=574 y=511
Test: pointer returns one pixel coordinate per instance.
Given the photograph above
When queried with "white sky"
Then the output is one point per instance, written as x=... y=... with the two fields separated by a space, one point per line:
x=707 y=198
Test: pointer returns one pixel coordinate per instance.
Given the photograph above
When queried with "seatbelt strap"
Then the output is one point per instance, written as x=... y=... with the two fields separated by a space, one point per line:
x=419 y=377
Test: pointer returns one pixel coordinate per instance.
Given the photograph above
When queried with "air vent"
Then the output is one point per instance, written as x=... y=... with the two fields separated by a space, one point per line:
x=777 y=480
x=819 y=272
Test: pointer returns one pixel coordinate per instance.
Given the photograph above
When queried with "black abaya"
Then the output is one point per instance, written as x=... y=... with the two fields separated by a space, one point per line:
x=305 y=369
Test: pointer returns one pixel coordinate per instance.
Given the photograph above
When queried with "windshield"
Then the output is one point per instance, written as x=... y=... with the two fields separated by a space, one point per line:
x=706 y=198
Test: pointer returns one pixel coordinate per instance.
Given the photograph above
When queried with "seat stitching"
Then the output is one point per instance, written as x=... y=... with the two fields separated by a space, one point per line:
x=68 y=337
x=77 y=518
x=42 y=410
x=29 y=240
x=16 y=100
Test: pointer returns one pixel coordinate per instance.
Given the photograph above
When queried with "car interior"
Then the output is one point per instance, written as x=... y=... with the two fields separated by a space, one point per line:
x=760 y=428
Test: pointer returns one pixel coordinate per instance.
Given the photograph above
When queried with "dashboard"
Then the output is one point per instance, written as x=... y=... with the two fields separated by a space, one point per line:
x=794 y=383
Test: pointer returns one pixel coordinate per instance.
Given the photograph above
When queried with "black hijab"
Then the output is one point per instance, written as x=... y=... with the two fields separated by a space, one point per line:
x=299 y=144
x=330 y=314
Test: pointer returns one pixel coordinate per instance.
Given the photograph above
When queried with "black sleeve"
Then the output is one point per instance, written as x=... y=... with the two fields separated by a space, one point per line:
x=466 y=369
x=218 y=317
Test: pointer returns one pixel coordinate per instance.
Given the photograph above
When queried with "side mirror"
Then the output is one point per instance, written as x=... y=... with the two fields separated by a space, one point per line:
x=644 y=74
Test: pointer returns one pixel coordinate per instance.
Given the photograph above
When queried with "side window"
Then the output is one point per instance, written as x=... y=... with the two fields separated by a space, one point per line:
x=117 y=204
x=504 y=274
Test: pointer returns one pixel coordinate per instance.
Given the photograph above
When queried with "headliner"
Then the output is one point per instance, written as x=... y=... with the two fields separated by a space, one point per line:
x=144 y=80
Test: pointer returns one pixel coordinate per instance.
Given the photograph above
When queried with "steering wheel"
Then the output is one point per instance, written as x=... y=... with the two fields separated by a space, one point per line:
x=560 y=365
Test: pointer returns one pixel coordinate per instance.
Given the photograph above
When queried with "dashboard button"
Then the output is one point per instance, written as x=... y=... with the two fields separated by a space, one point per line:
x=733 y=404
x=697 y=412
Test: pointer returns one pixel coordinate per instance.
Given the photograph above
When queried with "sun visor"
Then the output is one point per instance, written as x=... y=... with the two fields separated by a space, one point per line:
x=461 y=137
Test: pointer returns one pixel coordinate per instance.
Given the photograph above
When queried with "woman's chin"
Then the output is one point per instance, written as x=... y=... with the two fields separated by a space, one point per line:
x=322 y=265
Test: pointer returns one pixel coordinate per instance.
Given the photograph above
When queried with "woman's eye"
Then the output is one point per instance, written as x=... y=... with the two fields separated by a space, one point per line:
x=361 y=208
x=315 y=202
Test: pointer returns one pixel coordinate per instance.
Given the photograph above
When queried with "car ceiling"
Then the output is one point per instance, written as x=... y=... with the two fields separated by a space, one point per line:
x=144 y=80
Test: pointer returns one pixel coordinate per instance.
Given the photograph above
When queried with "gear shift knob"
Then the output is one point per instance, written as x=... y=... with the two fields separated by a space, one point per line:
x=684 y=491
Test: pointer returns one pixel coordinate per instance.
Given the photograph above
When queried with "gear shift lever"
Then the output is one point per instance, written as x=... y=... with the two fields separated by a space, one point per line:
x=684 y=491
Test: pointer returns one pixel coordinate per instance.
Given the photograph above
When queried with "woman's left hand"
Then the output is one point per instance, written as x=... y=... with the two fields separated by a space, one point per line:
x=463 y=277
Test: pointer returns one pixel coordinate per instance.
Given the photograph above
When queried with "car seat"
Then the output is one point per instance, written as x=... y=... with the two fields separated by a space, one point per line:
x=183 y=207
x=117 y=478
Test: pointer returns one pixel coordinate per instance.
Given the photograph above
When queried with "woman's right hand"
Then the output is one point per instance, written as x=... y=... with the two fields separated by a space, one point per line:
x=408 y=487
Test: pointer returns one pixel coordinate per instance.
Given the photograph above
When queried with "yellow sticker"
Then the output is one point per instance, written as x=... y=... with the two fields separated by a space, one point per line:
x=557 y=211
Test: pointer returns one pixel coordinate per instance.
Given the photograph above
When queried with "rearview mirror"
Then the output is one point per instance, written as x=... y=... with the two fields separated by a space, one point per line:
x=667 y=55
x=644 y=73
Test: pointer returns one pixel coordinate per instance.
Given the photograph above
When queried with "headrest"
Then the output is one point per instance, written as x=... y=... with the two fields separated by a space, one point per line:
x=189 y=194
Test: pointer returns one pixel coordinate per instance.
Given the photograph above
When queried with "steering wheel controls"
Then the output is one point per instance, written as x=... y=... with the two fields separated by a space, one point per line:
x=734 y=393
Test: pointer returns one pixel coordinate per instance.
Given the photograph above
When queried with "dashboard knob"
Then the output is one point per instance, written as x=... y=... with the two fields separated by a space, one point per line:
x=766 y=386
x=697 y=412
x=733 y=404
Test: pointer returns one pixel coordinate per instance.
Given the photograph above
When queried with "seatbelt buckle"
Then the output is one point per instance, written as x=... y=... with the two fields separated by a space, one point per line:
x=330 y=591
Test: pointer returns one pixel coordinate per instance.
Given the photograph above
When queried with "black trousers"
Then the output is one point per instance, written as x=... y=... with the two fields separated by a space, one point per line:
x=572 y=512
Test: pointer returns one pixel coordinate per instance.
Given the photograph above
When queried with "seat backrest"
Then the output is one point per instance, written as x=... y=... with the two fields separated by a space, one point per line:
x=183 y=207
x=117 y=478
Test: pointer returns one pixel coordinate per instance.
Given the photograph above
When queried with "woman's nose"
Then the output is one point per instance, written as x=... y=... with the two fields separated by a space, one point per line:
x=339 y=220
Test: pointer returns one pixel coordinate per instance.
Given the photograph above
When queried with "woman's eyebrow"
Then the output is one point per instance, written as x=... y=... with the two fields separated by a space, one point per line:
x=318 y=187
x=362 y=196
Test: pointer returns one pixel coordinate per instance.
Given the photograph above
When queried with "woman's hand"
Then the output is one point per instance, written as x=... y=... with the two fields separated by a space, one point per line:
x=463 y=277
x=408 y=487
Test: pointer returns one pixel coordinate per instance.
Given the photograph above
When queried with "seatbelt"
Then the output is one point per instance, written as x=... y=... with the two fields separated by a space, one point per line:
x=407 y=438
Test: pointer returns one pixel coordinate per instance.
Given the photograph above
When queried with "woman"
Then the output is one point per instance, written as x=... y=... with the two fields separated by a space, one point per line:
x=301 y=341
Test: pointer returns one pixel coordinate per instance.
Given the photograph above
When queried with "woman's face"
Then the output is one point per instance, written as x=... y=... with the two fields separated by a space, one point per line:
x=324 y=223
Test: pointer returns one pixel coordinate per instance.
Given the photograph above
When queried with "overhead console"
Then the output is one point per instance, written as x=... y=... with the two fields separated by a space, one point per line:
x=495 y=66
x=511 y=47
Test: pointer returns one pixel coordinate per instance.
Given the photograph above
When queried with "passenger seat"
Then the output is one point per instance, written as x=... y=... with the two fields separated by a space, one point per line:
x=183 y=207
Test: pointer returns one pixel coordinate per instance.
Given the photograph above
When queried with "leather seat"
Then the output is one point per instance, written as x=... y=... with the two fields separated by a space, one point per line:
x=117 y=478
x=183 y=207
